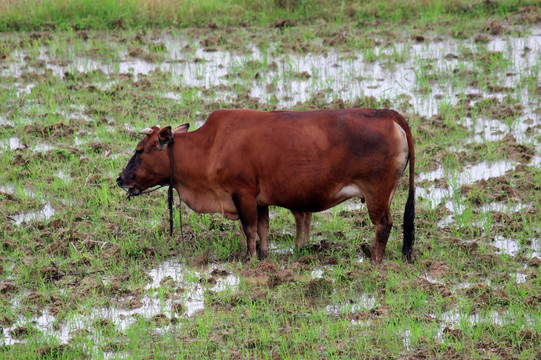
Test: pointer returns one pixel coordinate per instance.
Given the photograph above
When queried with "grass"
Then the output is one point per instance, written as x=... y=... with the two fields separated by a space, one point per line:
x=109 y=14
x=461 y=297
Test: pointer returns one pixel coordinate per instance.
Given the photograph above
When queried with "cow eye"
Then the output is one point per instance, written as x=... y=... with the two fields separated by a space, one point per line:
x=138 y=151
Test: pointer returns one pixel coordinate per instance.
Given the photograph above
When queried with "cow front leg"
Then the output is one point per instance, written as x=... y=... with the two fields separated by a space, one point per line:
x=263 y=230
x=247 y=210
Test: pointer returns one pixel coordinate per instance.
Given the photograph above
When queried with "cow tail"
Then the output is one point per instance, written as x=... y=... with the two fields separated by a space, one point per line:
x=409 y=211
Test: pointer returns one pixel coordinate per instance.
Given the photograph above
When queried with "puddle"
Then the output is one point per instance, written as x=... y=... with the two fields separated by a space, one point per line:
x=11 y=143
x=536 y=248
x=462 y=286
x=494 y=130
x=16 y=190
x=512 y=247
x=64 y=176
x=505 y=207
x=78 y=141
x=317 y=273
x=24 y=89
x=44 y=213
x=14 y=143
x=381 y=77
x=332 y=76
x=4 y=121
x=431 y=279
x=506 y=246
x=519 y=278
x=469 y=175
x=406 y=338
x=450 y=319
x=454 y=318
x=280 y=248
x=173 y=96
x=364 y=302
x=42 y=147
x=173 y=273
x=472 y=173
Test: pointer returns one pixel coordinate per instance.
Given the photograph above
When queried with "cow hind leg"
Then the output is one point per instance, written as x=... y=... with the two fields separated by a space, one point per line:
x=247 y=210
x=307 y=223
x=299 y=227
x=263 y=231
x=302 y=225
x=381 y=218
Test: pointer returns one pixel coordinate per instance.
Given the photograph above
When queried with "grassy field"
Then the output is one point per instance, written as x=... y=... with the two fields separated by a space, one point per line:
x=86 y=274
x=113 y=14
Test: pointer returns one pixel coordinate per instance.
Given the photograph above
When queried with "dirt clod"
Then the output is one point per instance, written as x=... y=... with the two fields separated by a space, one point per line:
x=534 y=262
x=280 y=277
x=494 y=27
x=7 y=288
x=135 y=304
x=178 y=308
x=453 y=333
x=319 y=287
x=161 y=320
x=168 y=282
x=219 y=272
x=51 y=273
x=281 y=23
x=438 y=268
x=19 y=332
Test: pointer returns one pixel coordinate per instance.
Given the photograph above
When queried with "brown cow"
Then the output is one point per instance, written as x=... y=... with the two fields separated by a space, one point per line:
x=242 y=161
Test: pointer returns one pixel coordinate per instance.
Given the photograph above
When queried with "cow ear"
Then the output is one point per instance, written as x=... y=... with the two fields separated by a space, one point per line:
x=181 y=128
x=165 y=135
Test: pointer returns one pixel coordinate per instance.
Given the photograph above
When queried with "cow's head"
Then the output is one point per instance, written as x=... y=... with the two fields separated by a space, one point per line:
x=150 y=165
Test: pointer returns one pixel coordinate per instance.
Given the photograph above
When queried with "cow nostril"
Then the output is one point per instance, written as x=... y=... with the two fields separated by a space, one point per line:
x=118 y=180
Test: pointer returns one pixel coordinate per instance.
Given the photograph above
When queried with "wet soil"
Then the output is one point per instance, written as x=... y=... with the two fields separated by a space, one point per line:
x=87 y=248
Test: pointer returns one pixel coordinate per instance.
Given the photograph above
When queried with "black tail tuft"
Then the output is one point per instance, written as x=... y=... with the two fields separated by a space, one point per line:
x=409 y=227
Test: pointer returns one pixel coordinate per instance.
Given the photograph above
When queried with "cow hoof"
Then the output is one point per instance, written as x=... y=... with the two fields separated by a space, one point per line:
x=408 y=258
x=247 y=259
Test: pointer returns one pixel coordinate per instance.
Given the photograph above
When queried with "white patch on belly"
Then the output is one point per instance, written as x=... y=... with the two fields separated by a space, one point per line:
x=349 y=191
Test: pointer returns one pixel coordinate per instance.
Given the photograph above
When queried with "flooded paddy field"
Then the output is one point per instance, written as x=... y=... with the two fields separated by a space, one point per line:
x=85 y=273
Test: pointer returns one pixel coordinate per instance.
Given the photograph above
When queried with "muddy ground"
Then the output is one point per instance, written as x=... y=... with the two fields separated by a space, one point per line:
x=83 y=272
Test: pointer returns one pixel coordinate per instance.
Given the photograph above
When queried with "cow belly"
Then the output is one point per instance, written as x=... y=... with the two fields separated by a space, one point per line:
x=208 y=202
x=310 y=200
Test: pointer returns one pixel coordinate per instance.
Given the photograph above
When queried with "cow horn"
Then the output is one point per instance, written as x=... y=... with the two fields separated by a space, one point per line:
x=146 y=131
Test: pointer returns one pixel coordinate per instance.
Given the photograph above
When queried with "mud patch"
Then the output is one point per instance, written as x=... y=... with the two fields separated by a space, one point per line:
x=184 y=301
x=319 y=287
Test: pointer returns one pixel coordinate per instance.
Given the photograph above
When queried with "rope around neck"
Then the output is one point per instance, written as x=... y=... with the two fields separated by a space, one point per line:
x=170 y=193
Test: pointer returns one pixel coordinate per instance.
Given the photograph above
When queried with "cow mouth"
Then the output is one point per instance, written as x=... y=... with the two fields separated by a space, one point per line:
x=133 y=191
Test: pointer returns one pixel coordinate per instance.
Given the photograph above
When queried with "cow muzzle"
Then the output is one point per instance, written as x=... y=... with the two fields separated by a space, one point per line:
x=132 y=191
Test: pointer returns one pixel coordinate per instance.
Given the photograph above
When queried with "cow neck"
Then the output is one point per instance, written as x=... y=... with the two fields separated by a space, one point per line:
x=170 y=190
